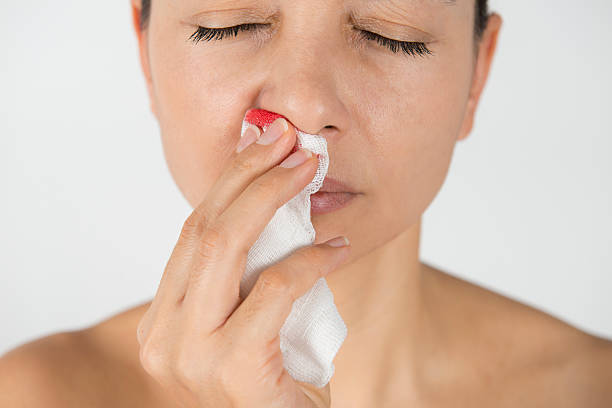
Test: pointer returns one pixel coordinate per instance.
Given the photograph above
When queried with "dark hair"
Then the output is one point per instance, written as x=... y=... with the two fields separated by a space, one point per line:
x=145 y=13
x=480 y=20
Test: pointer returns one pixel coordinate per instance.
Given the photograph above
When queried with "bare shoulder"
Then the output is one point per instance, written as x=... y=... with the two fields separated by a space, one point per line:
x=586 y=374
x=39 y=373
x=539 y=356
x=94 y=367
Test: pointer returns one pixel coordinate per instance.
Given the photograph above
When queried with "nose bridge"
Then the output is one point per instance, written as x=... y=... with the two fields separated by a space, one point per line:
x=302 y=78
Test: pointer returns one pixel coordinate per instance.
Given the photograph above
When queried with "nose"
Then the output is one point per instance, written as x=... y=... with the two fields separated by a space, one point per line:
x=262 y=117
x=301 y=85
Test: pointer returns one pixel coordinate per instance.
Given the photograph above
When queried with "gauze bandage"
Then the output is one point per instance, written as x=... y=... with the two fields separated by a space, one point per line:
x=314 y=331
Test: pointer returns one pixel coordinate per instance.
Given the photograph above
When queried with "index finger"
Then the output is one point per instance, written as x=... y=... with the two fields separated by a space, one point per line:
x=214 y=278
x=240 y=170
x=280 y=288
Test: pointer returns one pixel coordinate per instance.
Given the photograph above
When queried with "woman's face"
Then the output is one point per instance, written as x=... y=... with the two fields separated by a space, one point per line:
x=391 y=120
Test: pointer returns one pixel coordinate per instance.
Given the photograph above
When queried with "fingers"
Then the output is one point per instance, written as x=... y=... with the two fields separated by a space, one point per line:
x=246 y=165
x=242 y=168
x=261 y=315
x=214 y=282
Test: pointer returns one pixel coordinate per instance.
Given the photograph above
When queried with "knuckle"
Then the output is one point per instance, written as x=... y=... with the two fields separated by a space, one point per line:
x=273 y=280
x=265 y=190
x=308 y=259
x=210 y=247
x=244 y=163
x=152 y=359
x=201 y=216
x=193 y=225
x=309 y=255
x=213 y=241
x=318 y=259
x=192 y=221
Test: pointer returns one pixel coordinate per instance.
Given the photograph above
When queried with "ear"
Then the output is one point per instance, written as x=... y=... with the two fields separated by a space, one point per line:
x=143 y=44
x=486 y=50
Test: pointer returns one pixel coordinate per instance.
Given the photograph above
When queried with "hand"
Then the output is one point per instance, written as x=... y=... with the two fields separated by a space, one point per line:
x=201 y=341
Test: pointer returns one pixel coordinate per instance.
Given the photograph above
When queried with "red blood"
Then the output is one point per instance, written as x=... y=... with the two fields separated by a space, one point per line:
x=262 y=117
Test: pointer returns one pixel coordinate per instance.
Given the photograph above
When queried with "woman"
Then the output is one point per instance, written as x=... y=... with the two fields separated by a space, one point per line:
x=392 y=86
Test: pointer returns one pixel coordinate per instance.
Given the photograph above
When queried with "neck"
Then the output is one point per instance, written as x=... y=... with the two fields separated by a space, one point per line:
x=380 y=298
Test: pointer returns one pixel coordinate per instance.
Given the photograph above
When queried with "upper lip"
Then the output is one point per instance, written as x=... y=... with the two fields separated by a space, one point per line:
x=331 y=185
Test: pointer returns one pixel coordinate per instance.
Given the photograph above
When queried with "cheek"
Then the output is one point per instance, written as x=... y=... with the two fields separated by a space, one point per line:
x=192 y=95
x=413 y=141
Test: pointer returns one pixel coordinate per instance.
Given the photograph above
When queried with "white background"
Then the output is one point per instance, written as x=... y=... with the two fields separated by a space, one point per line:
x=89 y=213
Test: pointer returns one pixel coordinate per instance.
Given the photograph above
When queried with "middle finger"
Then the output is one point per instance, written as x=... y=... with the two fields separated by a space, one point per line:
x=245 y=165
x=241 y=169
x=214 y=280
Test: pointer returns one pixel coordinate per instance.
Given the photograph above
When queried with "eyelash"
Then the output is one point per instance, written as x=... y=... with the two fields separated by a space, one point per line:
x=410 y=48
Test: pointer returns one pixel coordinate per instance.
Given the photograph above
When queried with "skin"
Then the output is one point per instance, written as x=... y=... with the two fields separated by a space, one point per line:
x=432 y=340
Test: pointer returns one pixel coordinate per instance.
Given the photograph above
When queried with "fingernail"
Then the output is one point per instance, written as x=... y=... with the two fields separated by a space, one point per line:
x=276 y=129
x=297 y=158
x=338 y=242
x=250 y=135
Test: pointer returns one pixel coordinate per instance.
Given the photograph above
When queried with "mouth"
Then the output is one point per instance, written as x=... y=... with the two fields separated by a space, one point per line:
x=332 y=196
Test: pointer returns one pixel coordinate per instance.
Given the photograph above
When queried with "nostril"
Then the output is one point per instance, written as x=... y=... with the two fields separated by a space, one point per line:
x=262 y=117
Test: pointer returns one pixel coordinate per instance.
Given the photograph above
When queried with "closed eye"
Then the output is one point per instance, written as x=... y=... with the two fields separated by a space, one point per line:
x=207 y=34
x=410 y=48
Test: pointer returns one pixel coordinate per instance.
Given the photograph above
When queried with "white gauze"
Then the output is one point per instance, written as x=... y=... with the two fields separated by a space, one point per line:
x=314 y=331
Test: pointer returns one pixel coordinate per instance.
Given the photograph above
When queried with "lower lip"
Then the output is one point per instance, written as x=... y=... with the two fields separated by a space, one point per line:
x=324 y=202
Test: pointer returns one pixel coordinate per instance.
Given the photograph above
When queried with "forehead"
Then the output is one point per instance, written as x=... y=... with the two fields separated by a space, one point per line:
x=415 y=3
x=414 y=9
x=449 y=3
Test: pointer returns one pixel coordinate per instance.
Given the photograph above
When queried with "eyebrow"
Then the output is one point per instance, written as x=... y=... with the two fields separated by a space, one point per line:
x=443 y=2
